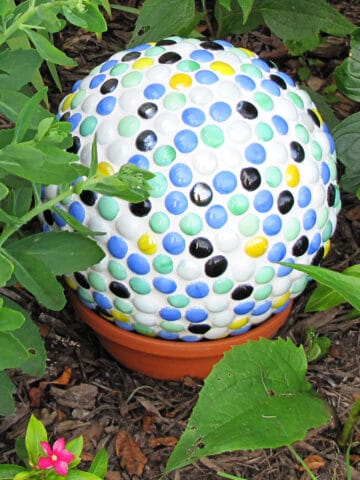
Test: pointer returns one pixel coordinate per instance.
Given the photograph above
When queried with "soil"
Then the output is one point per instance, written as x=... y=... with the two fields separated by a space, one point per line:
x=112 y=406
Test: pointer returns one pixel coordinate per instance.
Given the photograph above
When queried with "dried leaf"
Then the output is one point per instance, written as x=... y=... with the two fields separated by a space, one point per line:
x=112 y=475
x=353 y=213
x=149 y=424
x=78 y=396
x=36 y=393
x=314 y=462
x=162 y=442
x=131 y=457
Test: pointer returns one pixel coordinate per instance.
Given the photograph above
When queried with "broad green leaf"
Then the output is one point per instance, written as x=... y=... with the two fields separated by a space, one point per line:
x=81 y=475
x=297 y=47
x=99 y=464
x=7 y=403
x=8 y=472
x=325 y=110
x=75 y=224
x=48 y=51
x=227 y=475
x=300 y=20
x=6 y=6
x=94 y=158
x=12 y=102
x=180 y=20
x=35 y=434
x=62 y=252
x=90 y=18
x=49 y=17
x=232 y=21
x=8 y=219
x=346 y=285
x=54 y=73
x=28 y=335
x=226 y=4
x=347 y=75
x=255 y=397
x=26 y=114
x=246 y=7
x=6 y=137
x=10 y=319
x=19 y=199
x=17 y=67
x=21 y=452
x=6 y=270
x=38 y=279
x=75 y=446
x=3 y=191
x=13 y=352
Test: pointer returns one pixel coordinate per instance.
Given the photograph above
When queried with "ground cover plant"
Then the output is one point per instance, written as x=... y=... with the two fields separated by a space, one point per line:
x=37 y=131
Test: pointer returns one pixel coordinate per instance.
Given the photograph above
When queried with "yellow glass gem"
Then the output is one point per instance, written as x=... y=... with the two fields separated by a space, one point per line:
x=317 y=113
x=222 y=67
x=67 y=102
x=71 y=282
x=143 y=63
x=327 y=245
x=105 y=169
x=122 y=317
x=256 y=246
x=147 y=244
x=280 y=301
x=240 y=322
x=180 y=81
x=292 y=175
x=248 y=52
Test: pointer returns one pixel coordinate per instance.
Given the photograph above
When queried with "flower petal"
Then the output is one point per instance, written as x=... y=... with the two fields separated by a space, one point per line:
x=45 y=462
x=59 y=446
x=47 y=448
x=61 y=468
x=66 y=456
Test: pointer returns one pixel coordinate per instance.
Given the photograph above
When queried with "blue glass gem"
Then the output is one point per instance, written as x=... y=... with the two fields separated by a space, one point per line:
x=138 y=264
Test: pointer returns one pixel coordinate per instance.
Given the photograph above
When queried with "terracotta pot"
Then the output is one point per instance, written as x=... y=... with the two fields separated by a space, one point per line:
x=168 y=360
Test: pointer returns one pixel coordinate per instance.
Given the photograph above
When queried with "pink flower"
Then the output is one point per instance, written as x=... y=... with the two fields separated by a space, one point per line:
x=57 y=457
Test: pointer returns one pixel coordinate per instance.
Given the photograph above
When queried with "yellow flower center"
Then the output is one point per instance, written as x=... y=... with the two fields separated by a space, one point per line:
x=54 y=457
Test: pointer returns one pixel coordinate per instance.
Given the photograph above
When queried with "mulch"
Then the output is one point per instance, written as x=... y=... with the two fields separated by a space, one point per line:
x=138 y=419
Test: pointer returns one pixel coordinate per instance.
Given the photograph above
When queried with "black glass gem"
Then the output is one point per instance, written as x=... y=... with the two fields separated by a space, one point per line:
x=300 y=246
x=250 y=178
x=318 y=256
x=88 y=197
x=247 y=110
x=279 y=81
x=164 y=42
x=140 y=209
x=49 y=217
x=81 y=280
x=285 y=201
x=199 y=328
x=297 y=152
x=119 y=289
x=215 y=266
x=201 y=194
x=128 y=57
x=211 y=46
x=169 y=57
x=109 y=86
x=200 y=247
x=314 y=117
x=241 y=292
x=75 y=147
x=331 y=194
x=146 y=140
x=65 y=117
x=103 y=312
x=147 y=110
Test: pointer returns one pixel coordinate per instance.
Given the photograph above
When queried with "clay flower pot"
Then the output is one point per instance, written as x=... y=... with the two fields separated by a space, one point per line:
x=245 y=177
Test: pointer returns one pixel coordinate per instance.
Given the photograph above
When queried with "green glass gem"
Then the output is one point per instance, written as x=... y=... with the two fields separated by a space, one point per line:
x=88 y=126
x=67 y=200
x=299 y=285
x=95 y=70
x=326 y=234
x=191 y=224
x=323 y=216
x=140 y=286
x=264 y=131
x=178 y=301
x=97 y=281
x=163 y=264
x=159 y=222
x=291 y=229
x=187 y=66
x=174 y=101
x=212 y=136
x=316 y=150
x=123 y=306
x=238 y=204
x=296 y=99
x=144 y=329
x=223 y=285
x=251 y=70
x=263 y=292
x=172 y=326
x=333 y=169
x=158 y=185
x=117 y=270
x=108 y=207
x=273 y=176
x=302 y=133
x=79 y=97
x=239 y=52
x=131 y=79
x=249 y=225
x=154 y=51
x=119 y=69
x=265 y=275
x=85 y=295
x=128 y=126
x=264 y=101
x=164 y=155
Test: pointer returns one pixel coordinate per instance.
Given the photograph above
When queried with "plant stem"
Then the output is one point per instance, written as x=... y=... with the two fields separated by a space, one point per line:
x=211 y=30
x=349 y=424
x=301 y=461
x=347 y=459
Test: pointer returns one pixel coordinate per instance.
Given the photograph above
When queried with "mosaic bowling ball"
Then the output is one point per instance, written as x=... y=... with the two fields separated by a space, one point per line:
x=245 y=177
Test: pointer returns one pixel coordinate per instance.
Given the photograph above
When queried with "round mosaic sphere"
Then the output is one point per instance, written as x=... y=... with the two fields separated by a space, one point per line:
x=245 y=177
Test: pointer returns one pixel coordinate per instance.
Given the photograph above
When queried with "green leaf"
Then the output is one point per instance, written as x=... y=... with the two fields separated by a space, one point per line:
x=19 y=200
x=75 y=224
x=325 y=110
x=99 y=464
x=246 y=7
x=297 y=47
x=226 y=4
x=28 y=335
x=232 y=477
x=35 y=434
x=26 y=114
x=346 y=285
x=94 y=158
x=21 y=452
x=48 y=51
x=8 y=472
x=75 y=446
x=267 y=403
x=62 y=252
x=90 y=18
x=10 y=319
x=315 y=346
x=347 y=75
x=38 y=279
x=49 y=17
x=80 y=475
x=232 y=21
x=3 y=191
x=7 y=403
x=6 y=270
x=12 y=102
x=18 y=67
x=13 y=352
x=180 y=20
